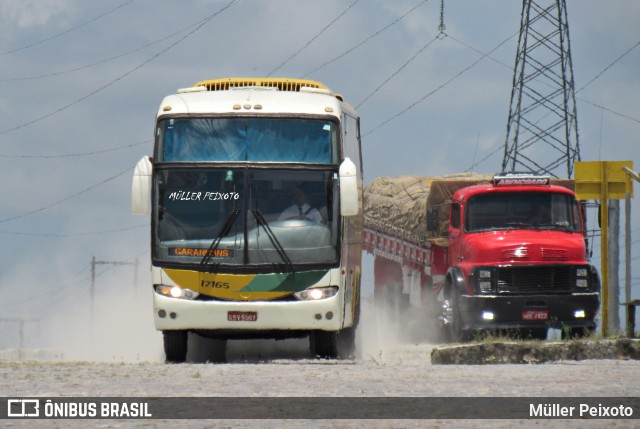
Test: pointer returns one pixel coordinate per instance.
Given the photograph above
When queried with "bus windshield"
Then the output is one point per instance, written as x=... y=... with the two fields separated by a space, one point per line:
x=247 y=139
x=522 y=210
x=245 y=217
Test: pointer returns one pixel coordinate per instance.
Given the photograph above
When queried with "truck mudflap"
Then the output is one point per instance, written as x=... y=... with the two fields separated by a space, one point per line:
x=531 y=311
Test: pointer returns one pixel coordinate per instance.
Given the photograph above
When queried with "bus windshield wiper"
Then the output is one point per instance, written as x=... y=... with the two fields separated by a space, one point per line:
x=272 y=237
x=216 y=242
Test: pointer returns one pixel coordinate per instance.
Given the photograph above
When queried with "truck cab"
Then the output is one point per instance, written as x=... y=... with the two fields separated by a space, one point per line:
x=518 y=260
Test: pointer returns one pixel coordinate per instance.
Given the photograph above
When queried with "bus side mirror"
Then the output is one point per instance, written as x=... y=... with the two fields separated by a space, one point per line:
x=349 y=201
x=141 y=187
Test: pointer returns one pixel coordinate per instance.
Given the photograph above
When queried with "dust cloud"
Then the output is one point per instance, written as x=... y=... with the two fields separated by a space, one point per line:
x=117 y=326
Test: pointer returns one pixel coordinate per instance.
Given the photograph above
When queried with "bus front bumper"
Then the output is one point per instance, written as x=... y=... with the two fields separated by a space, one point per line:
x=171 y=314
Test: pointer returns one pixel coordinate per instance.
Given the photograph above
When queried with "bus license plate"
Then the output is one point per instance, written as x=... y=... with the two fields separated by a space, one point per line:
x=242 y=316
x=535 y=315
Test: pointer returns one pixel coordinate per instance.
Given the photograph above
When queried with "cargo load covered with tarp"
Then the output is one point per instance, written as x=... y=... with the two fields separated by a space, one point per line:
x=416 y=208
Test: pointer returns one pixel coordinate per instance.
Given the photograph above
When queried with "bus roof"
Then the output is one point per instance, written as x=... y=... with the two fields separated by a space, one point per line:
x=255 y=96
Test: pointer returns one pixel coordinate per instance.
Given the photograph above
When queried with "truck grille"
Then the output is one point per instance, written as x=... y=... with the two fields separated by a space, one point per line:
x=535 y=280
x=554 y=254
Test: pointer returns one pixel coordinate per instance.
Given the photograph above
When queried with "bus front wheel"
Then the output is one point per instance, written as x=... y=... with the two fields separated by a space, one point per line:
x=175 y=346
x=324 y=344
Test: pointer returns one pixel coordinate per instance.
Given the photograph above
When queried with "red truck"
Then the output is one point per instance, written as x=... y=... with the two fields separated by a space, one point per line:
x=477 y=253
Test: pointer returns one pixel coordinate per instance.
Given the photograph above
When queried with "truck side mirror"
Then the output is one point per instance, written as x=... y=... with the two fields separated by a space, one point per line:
x=349 y=201
x=141 y=187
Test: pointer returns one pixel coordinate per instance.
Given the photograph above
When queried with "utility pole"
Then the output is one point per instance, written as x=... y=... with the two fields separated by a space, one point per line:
x=614 y=265
x=542 y=127
x=135 y=264
x=21 y=322
x=629 y=309
x=604 y=181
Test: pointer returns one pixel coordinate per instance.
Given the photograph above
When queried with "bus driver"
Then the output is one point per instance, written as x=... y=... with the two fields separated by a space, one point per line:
x=300 y=209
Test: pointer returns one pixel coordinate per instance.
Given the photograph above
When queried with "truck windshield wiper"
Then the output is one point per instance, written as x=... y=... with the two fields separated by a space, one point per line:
x=272 y=237
x=216 y=242
x=559 y=227
x=519 y=224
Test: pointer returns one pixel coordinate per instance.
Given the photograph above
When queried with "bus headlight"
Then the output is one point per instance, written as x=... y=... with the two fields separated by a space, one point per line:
x=176 y=292
x=316 y=293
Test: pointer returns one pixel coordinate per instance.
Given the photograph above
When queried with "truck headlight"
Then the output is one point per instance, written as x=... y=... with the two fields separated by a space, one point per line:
x=483 y=279
x=316 y=293
x=176 y=292
x=582 y=283
x=582 y=280
x=485 y=286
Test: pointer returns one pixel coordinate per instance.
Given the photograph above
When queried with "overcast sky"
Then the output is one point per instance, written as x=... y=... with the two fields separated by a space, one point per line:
x=80 y=83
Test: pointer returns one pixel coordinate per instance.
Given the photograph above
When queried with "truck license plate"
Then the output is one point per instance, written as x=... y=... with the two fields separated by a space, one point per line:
x=535 y=315
x=242 y=316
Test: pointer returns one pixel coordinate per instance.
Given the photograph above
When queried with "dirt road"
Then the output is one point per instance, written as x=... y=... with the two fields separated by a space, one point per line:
x=285 y=369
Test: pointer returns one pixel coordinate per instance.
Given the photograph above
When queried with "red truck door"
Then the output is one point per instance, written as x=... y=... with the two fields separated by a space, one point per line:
x=455 y=232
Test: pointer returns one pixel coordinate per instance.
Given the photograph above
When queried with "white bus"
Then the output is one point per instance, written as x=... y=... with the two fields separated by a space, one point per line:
x=255 y=196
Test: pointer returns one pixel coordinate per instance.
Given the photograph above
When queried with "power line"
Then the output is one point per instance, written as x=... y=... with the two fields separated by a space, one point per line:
x=73 y=234
x=432 y=92
x=466 y=45
x=356 y=46
x=609 y=66
x=63 y=293
x=105 y=60
x=312 y=39
x=61 y=109
x=484 y=159
x=77 y=154
x=606 y=109
x=372 y=93
x=622 y=115
x=67 y=198
x=39 y=42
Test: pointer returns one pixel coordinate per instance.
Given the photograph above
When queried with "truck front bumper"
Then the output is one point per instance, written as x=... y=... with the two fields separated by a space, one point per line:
x=531 y=311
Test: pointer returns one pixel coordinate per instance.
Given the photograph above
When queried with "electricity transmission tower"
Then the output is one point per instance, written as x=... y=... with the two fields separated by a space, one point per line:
x=542 y=128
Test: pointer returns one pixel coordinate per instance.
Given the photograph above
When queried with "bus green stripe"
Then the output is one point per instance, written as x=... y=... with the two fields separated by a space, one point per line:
x=284 y=282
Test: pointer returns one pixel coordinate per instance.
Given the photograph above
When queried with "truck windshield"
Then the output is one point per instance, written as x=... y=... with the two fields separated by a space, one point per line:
x=247 y=139
x=522 y=210
x=244 y=217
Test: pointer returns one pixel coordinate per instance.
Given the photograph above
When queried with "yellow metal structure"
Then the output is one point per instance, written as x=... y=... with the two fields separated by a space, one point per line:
x=603 y=180
x=591 y=175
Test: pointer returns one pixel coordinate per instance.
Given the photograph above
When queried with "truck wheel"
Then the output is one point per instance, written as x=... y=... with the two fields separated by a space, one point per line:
x=452 y=317
x=324 y=344
x=175 y=346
